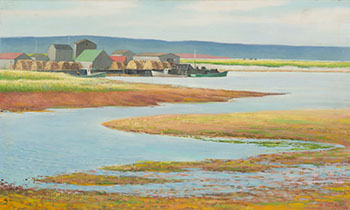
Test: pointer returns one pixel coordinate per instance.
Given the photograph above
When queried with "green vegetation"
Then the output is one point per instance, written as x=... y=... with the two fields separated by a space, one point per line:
x=90 y=179
x=152 y=166
x=26 y=81
x=333 y=196
x=207 y=165
x=273 y=63
x=297 y=146
x=326 y=126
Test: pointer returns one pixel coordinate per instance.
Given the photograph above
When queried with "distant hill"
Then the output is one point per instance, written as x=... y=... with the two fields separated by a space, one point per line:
x=109 y=44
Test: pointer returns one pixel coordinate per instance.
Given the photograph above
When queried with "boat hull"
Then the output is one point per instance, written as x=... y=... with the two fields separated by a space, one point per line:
x=220 y=74
x=161 y=74
x=95 y=75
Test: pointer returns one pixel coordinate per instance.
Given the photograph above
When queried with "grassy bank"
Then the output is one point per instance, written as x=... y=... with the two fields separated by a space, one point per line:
x=331 y=126
x=86 y=179
x=273 y=63
x=326 y=126
x=28 y=81
x=26 y=90
x=333 y=196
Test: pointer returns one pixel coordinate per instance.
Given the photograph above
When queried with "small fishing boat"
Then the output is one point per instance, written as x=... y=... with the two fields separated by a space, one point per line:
x=219 y=74
x=164 y=73
x=95 y=75
x=88 y=74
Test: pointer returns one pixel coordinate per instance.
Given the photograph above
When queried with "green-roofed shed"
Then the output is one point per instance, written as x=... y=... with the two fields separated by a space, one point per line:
x=94 y=60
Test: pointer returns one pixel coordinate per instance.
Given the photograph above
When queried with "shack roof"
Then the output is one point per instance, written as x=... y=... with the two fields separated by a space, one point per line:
x=83 y=40
x=118 y=58
x=62 y=46
x=10 y=56
x=152 y=54
x=88 y=55
x=121 y=51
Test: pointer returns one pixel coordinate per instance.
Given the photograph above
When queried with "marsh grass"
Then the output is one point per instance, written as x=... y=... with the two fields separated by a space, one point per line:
x=326 y=126
x=28 y=81
x=273 y=63
x=86 y=179
x=295 y=146
x=333 y=196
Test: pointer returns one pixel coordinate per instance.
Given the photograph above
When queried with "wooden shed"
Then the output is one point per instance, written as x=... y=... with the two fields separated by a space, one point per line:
x=82 y=45
x=8 y=60
x=163 y=57
x=94 y=60
x=60 y=52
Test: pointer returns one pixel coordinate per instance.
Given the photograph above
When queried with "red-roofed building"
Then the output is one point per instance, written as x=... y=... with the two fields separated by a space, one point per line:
x=10 y=59
x=122 y=59
x=199 y=56
x=129 y=54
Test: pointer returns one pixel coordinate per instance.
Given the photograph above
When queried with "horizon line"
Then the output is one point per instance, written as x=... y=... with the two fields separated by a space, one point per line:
x=290 y=45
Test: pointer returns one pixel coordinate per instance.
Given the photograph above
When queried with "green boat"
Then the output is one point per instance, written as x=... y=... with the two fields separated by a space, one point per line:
x=94 y=75
x=220 y=74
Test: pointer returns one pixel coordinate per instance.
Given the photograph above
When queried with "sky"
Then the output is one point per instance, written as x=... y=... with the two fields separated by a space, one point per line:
x=286 y=22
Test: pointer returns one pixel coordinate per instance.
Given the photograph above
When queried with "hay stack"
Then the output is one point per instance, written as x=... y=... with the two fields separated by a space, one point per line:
x=38 y=65
x=29 y=63
x=160 y=65
x=116 y=65
x=167 y=65
x=149 y=65
x=64 y=65
x=153 y=65
x=136 y=65
x=51 y=65
x=74 y=66
x=22 y=65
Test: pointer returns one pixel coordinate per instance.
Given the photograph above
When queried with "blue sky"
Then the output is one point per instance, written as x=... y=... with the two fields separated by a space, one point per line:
x=291 y=22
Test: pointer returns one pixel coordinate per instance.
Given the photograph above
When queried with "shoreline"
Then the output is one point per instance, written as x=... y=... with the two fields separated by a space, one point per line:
x=37 y=91
x=40 y=101
x=251 y=68
x=333 y=128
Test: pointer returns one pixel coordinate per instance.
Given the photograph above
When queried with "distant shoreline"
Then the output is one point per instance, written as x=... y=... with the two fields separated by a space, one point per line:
x=37 y=91
x=273 y=69
x=271 y=65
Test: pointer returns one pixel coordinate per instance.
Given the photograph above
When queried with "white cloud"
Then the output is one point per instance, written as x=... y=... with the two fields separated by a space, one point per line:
x=231 y=5
x=78 y=9
x=326 y=18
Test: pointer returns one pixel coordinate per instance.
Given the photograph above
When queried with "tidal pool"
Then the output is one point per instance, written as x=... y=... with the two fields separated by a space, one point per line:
x=69 y=140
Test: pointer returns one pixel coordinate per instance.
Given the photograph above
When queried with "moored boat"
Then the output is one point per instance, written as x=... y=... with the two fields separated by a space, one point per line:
x=219 y=74
x=164 y=73
x=93 y=75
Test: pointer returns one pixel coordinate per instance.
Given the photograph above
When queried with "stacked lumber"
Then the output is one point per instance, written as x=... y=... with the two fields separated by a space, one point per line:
x=116 y=65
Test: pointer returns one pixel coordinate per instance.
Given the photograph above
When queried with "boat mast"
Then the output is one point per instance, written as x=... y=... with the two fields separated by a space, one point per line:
x=36 y=46
x=194 y=60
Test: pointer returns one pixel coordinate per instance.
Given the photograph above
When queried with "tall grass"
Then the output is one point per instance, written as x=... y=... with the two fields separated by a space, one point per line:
x=27 y=81
x=31 y=75
x=273 y=63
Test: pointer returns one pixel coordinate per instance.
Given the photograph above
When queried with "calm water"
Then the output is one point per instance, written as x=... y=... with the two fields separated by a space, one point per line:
x=305 y=90
x=67 y=140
